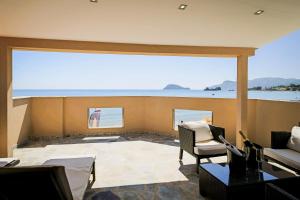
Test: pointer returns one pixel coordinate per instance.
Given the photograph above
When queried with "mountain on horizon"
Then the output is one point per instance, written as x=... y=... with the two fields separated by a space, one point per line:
x=175 y=86
x=266 y=82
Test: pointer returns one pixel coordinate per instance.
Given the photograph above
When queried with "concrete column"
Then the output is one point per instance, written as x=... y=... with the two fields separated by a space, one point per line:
x=242 y=98
x=5 y=96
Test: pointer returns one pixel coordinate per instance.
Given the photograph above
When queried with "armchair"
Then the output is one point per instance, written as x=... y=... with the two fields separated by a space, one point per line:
x=202 y=149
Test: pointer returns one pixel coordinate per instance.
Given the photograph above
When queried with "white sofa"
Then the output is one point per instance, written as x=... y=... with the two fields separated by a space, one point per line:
x=285 y=148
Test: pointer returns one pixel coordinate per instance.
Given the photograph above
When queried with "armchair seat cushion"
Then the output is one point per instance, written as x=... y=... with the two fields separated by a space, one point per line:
x=286 y=156
x=209 y=147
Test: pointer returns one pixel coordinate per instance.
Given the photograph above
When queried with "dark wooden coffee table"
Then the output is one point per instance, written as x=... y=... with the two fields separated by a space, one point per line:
x=216 y=181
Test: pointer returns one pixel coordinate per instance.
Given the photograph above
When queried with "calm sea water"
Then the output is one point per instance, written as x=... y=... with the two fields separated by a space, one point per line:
x=114 y=117
x=270 y=95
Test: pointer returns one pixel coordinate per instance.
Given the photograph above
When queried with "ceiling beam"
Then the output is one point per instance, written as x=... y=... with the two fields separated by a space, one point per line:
x=124 y=48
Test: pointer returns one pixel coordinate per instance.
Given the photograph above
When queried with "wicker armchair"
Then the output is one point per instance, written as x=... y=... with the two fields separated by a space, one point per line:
x=188 y=144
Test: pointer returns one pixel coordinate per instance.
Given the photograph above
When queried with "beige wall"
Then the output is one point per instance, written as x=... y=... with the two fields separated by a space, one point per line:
x=76 y=114
x=274 y=115
x=59 y=116
x=68 y=115
x=19 y=123
x=159 y=112
x=47 y=116
x=251 y=118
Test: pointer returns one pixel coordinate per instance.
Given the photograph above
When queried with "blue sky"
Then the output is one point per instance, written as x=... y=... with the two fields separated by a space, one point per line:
x=51 y=70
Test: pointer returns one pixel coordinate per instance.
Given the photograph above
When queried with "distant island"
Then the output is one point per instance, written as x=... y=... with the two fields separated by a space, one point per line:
x=212 y=89
x=260 y=84
x=291 y=87
x=176 y=87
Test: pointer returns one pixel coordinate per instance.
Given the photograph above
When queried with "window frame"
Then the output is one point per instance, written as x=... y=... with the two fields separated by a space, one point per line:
x=173 y=116
x=106 y=127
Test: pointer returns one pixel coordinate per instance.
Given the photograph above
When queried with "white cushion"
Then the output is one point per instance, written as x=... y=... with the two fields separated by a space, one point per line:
x=294 y=141
x=286 y=156
x=201 y=129
x=78 y=171
x=211 y=147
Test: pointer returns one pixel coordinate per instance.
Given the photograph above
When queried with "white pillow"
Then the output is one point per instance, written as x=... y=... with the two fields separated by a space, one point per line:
x=294 y=141
x=201 y=129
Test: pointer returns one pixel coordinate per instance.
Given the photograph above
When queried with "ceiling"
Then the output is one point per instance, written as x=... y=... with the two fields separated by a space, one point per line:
x=204 y=22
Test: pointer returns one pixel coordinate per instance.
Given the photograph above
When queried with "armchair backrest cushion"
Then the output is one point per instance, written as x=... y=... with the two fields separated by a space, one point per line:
x=294 y=141
x=202 y=130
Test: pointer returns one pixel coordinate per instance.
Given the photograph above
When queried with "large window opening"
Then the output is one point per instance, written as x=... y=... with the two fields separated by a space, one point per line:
x=273 y=74
x=182 y=115
x=37 y=73
x=105 y=118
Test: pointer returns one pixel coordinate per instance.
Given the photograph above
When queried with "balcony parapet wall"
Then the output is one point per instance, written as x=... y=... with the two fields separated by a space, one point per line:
x=64 y=116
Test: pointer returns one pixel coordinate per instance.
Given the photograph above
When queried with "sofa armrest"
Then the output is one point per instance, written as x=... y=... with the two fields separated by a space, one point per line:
x=217 y=131
x=279 y=139
x=186 y=139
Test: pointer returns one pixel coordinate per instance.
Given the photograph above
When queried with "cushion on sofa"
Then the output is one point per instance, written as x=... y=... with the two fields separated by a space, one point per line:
x=201 y=129
x=286 y=156
x=210 y=147
x=294 y=141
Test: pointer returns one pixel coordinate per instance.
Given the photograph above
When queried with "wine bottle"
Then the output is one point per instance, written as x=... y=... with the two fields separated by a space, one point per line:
x=248 y=143
x=246 y=140
x=230 y=147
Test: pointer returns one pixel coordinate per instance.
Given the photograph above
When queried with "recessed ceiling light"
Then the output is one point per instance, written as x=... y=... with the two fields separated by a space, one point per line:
x=259 y=12
x=182 y=7
x=94 y=1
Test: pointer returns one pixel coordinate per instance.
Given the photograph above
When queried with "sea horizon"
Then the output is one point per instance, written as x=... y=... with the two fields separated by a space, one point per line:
x=267 y=95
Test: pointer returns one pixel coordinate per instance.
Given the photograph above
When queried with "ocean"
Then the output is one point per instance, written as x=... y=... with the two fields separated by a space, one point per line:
x=113 y=117
x=268 y=95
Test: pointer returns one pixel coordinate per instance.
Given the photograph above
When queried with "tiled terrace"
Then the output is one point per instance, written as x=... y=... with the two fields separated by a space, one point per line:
x=131 y=166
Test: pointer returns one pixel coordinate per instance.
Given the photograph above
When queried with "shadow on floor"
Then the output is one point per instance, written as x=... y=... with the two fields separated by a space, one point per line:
x=82 y=139
x=169 y=190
